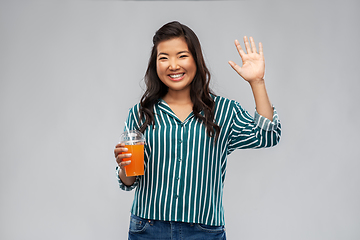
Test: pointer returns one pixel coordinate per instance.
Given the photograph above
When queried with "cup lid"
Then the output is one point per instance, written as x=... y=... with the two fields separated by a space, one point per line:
x=132 y=137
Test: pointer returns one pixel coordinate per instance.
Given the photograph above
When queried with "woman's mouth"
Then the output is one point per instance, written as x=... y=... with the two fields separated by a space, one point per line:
x=176 y=77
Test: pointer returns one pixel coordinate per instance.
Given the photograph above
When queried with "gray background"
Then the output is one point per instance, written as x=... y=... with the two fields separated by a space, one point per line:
x=71 y=70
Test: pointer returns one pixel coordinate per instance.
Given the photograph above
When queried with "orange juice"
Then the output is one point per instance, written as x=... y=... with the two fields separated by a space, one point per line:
x=136 y=167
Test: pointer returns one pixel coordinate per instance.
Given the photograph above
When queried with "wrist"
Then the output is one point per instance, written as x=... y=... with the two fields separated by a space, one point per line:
x=257 y=81
x=122 y=174
x=125 y=179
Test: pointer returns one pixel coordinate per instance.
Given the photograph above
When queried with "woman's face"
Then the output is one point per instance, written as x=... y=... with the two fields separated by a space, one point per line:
x=175 y=64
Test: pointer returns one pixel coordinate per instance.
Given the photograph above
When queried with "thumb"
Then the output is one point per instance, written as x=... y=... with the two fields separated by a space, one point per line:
x=236 y=67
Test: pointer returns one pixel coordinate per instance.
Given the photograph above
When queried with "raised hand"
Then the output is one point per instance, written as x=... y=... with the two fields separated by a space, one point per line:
x=253 y=63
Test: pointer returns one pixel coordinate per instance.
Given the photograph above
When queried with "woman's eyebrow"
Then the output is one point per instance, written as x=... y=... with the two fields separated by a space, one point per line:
x=182 y=52
x=161 y=53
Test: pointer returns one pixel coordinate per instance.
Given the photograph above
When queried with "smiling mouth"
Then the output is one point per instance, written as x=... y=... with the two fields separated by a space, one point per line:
x=176 y=77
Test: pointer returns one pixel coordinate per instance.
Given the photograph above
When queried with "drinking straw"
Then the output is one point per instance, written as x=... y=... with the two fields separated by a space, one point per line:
x=128 y=131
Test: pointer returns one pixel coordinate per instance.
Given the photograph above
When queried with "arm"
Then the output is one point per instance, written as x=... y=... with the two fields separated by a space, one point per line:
x=252 y=133
x=253 y=71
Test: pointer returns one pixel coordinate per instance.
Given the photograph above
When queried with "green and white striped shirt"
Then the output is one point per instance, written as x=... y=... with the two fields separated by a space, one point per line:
x=184 y=169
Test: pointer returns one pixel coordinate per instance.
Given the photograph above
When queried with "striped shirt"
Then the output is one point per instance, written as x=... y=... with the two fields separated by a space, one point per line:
x=185 y=169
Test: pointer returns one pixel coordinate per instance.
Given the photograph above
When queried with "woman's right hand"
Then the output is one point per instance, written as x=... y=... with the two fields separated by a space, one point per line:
x=120 y=153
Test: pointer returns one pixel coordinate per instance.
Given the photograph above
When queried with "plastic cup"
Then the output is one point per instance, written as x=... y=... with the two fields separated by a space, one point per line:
x=135 y=145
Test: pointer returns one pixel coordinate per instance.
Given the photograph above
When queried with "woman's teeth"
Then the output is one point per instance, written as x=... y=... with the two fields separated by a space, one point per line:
x=177 y=75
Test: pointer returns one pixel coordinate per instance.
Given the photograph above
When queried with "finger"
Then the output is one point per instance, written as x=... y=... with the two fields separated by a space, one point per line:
x=124 y=163
x=120 y=145
x=120 y=157
x=119 y=150
x=253 y=45
x=236 y=67
x=261 y=51
x=247 y=45
x=239 y=48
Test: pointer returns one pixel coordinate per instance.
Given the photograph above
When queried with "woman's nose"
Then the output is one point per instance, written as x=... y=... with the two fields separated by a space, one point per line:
x=173 y=65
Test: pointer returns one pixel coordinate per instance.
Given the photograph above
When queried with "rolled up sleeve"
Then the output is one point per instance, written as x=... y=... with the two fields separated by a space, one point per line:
x=253 y=132
x=122 y=185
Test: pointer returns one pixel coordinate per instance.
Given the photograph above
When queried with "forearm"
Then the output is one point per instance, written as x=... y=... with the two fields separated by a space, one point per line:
x=262 y=101
x=128 y=181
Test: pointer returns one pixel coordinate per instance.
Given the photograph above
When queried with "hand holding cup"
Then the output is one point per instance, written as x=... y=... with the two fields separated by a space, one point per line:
x=120 y=153
x=131 y=147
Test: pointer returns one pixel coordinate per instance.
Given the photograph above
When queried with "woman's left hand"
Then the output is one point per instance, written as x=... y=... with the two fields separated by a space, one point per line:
x=253 y=67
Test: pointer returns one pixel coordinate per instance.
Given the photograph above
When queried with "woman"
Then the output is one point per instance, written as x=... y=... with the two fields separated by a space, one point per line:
x=189 y=132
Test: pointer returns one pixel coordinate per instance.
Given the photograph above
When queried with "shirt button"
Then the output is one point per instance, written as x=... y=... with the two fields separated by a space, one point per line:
x=180 y=141
x=179 y=159
x=177 y=178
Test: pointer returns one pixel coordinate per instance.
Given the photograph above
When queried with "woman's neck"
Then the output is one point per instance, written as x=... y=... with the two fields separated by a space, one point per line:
x=178 y=97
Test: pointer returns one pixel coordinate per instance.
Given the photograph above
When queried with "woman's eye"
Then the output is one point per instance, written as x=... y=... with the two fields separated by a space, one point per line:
x=183 y=56
x=162 y=58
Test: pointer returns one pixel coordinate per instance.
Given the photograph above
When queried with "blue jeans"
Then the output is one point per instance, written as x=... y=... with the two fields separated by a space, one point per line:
x=144 y=229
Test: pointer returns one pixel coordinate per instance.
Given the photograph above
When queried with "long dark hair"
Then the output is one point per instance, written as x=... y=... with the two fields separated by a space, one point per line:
x=200 y=92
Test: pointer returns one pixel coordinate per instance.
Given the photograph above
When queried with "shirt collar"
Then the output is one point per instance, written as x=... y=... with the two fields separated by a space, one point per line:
x=164 y=107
